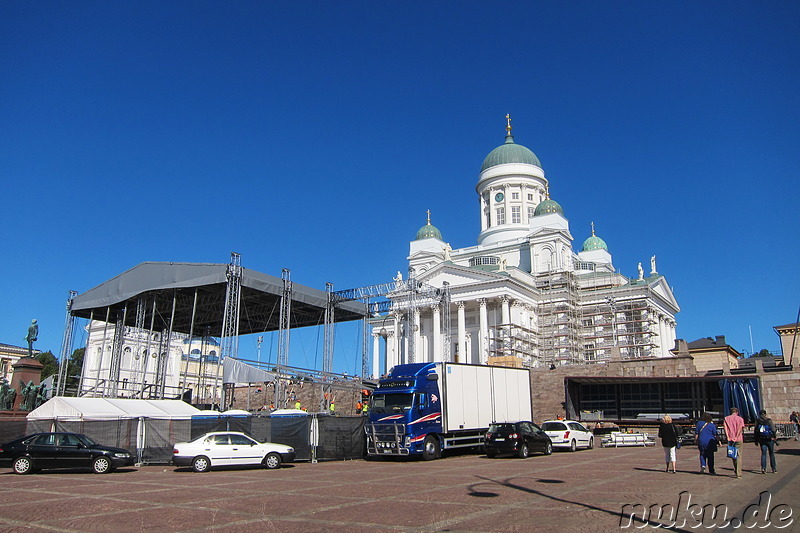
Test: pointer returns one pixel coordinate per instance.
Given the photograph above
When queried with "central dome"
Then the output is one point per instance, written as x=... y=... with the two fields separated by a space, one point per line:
x=510 y=152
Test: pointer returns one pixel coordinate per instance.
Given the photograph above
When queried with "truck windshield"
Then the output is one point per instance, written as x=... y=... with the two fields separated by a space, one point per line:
x=388 y=403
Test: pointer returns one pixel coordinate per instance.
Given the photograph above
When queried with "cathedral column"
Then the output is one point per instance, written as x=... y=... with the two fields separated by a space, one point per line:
x=376 y=355
x=415 y=318
x=396 y=356
x=505 y=315
x=462 y=333
x=483 y=354
x=436 y=349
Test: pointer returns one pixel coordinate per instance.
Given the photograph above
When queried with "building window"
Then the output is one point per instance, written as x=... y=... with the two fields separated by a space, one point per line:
x=531 y=211
x=516 y=214
x=501 y=215
x=483 y=260
x=530 y=197
x=515 y=196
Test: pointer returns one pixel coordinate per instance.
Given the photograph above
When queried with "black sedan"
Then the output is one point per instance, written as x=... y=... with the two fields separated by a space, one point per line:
x=61 y=450
x=517 y=438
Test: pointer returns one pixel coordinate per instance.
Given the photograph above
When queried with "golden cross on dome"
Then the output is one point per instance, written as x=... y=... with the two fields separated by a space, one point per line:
x=592 y=229
x=429 y=217
x=508 y=123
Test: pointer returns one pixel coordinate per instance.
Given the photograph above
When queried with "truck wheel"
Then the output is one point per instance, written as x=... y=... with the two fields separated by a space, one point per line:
x=491 y=455
x=523 y=451
x=430 y=449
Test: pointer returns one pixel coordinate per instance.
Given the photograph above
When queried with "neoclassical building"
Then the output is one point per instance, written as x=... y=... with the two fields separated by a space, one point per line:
x=523 y=296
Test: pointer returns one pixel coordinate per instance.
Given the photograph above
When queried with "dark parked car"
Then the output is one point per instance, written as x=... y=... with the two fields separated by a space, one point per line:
x=517 y=438
x=61 y=450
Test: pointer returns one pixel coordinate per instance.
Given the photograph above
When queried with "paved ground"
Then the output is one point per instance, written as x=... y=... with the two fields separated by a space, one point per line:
x=467 y=493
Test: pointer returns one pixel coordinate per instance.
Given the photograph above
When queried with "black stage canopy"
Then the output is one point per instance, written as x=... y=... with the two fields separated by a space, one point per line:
x=157 y=284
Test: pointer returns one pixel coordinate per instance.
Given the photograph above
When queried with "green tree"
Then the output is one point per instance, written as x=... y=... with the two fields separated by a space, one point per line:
x=763 y=353
x=50 y=364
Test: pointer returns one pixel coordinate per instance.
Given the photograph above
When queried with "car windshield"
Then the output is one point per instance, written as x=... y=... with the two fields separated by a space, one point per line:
x=553 y=426
x=86 y=441
x=387 y=403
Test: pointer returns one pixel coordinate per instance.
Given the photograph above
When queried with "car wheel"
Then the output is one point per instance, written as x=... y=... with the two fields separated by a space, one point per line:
x=523 y=451
x=101 y=465
x=272 y=461
x=430 y=449
x=548 y=448
x=573 y=446
x=23 y=465
x=591 y=443
x=201 y=464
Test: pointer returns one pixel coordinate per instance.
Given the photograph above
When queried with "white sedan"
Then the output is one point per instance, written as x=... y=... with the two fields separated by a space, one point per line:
x=228 y=448
x=568 y=434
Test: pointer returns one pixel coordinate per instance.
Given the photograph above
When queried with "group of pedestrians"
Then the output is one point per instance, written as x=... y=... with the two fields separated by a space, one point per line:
x=707 y=442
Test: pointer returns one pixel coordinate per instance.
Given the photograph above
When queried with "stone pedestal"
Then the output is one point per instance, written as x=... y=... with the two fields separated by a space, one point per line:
x=27 y=369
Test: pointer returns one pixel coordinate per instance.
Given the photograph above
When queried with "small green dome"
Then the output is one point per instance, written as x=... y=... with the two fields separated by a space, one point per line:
x=510 y=152
x=429 y=231
x=548 y=206
x=594 y=243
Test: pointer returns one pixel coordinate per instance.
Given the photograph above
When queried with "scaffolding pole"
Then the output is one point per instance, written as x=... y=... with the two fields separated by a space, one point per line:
x=66 y=346
x=229 y=343
x=283 y=338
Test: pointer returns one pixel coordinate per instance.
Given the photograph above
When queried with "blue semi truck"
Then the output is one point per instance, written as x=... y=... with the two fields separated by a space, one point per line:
x=425 y=408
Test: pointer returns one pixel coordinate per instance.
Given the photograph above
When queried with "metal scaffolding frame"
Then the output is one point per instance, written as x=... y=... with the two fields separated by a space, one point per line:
x=66 y=346
x=284 y=336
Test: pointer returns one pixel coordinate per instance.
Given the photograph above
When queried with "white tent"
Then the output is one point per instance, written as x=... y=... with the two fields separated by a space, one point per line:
x=68 y=408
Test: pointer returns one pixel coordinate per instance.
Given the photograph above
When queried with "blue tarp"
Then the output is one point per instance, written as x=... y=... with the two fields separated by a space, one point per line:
x=743 y=394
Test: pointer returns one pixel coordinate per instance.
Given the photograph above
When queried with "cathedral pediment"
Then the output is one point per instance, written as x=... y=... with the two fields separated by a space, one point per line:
x=661 y=288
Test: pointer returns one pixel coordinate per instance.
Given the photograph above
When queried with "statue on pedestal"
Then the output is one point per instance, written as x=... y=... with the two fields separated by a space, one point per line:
x=32 y=336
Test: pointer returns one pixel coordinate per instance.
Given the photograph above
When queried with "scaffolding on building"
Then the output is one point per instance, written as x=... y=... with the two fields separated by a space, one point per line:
x=558 y=320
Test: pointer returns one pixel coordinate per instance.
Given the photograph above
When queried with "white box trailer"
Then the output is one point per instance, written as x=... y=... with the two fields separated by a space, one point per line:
x=475 y=396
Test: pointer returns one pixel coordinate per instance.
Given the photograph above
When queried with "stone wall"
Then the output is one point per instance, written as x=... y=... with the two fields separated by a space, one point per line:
x=780 y=392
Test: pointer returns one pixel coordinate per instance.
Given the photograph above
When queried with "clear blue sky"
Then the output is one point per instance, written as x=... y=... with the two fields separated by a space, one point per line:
x=315 y=135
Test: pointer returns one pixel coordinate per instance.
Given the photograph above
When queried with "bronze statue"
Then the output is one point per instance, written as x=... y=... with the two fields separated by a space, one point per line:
x=7 y=396
x=29 y=394
x=32 y=336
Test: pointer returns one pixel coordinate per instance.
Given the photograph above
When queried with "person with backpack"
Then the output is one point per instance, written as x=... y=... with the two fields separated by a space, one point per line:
x=765 y=437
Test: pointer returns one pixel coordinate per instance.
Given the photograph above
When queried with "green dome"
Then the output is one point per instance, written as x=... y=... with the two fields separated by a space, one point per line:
x=429 y=231
x=594 y=243
x=510 y=152
x=548 y=206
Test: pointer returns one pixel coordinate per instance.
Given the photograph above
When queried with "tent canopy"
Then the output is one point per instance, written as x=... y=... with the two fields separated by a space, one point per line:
x=69 y=408
x=159 y=284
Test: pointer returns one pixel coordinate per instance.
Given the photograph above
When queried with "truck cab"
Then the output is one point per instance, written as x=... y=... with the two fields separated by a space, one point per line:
x=405 y=413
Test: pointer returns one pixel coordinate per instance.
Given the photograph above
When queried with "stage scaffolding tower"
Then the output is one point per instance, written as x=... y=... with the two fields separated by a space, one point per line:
x=283 y=338
x=229 y=343
x=66 y=346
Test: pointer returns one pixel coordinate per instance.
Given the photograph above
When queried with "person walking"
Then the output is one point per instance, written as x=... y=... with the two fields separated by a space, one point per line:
x=765 y=437
x=794 y=418
x=669 y=440
x=706 y=439
x=734 y=432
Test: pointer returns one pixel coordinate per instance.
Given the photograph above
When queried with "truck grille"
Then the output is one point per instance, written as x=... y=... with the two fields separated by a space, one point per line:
x=386 y=439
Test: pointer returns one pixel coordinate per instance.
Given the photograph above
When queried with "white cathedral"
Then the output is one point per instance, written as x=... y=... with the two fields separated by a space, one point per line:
x=523 y=297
